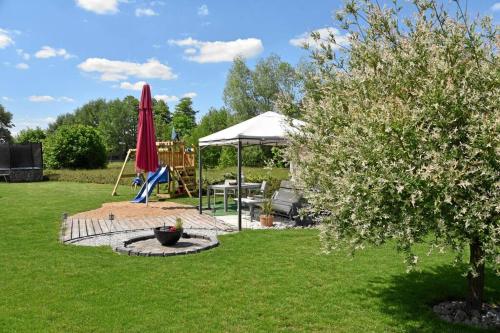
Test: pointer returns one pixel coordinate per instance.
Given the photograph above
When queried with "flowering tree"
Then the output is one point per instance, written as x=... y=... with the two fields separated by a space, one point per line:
x=402 y=135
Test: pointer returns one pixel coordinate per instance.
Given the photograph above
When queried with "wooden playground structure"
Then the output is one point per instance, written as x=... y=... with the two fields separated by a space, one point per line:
x=180 y=159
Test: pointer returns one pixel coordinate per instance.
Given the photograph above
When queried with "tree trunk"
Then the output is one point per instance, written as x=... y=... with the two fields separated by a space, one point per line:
x=476 y=281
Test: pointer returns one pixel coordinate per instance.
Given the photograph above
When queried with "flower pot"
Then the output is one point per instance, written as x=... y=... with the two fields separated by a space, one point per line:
x=266 y=220
x=166 y=236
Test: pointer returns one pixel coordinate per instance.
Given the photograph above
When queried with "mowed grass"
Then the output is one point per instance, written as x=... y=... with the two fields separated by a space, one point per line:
x=255 y=281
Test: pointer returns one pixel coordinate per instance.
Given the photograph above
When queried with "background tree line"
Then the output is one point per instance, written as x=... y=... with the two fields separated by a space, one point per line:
x=247 y=93
x=116 y=121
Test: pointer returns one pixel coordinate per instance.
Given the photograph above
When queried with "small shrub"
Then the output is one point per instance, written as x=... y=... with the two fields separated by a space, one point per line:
x=267 y=207
x=178 y=223
x=253 y=156
x=73 y=147
x=228 y=157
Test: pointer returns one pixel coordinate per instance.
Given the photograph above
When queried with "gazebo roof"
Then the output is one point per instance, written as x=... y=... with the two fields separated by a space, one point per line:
x=269 y=128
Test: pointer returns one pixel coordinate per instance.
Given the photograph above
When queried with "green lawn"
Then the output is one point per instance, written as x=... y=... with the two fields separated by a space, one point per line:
x=255 y=281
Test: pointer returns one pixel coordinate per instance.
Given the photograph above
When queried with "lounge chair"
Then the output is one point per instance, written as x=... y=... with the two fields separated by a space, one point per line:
x=287 y=200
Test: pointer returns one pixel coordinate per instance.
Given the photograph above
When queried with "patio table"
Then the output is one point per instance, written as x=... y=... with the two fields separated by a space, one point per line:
x=226 y=188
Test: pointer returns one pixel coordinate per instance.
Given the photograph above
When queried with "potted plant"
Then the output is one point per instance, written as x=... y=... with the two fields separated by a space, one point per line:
x=169 y=235
x=266 y=217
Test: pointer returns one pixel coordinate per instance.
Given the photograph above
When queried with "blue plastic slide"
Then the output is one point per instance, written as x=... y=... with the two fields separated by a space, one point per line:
x=160 y=176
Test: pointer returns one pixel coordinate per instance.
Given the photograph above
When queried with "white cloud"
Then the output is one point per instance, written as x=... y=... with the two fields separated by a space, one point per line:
x=324 y=33
x=145 y=12
x=166 y=98
x=6 y=99
x=99 y=6
x=173 y=98
x=49 y=52
x=218 y=51
x=190 y=95
x=115 y=70
x=157 y=3
x=43 y=98
x=113 y=77
x=47 y=98
x=495 y=7
x=22 y=65
x=203 y=10
x=24 y=55
x=132 y=86
x=65 y=99
x=5 y=39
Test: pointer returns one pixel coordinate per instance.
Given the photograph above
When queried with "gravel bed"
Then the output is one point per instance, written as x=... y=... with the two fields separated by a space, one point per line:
x=455 y=312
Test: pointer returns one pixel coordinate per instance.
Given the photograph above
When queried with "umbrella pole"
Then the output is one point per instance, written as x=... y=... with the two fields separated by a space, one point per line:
x=147 y=189
x=200 y=183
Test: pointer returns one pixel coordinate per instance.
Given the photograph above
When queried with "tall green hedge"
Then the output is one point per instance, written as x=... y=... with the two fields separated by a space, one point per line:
x=75 y=147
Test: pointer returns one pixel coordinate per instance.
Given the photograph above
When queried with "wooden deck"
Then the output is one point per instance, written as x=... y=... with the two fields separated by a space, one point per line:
x=80 y=227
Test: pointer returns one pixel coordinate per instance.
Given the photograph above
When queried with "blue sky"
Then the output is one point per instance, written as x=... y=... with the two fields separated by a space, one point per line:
x=56 y=55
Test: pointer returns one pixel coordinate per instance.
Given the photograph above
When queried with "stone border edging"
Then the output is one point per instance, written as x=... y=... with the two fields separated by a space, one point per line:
x=123 y=249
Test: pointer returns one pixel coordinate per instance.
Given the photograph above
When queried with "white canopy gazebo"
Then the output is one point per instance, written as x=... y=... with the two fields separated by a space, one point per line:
x=269 y=128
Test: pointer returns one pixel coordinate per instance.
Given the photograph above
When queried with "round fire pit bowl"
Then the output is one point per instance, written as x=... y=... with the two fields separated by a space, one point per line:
x=166 y=236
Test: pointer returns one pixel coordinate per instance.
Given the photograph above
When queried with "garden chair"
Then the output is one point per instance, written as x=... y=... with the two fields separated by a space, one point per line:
x=260 y=194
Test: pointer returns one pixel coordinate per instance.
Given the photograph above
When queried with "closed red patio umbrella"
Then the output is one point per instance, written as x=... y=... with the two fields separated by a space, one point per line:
x=146 y=153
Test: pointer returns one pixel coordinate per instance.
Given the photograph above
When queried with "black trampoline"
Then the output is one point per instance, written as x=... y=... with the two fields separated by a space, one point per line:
x=21 y=162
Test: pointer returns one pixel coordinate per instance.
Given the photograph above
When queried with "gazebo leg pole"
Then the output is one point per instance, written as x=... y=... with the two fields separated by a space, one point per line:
x=239 y=185
x=200 y=182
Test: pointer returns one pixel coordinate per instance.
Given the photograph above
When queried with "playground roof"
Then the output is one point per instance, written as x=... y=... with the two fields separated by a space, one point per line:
x=269 y=128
